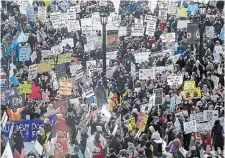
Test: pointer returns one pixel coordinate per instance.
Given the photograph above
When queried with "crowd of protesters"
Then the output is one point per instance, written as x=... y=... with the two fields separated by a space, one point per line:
x=107 y=126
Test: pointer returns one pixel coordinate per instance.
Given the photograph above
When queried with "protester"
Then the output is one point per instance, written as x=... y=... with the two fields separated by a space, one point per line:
x=158 y=97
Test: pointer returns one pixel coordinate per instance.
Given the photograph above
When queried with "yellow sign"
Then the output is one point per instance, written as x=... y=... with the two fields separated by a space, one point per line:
x=65 y=87
x=64 y=58
x=132 y=126
x=191 y=93
x=25 y=88
x=189 y=85
x=44 y=67
x=182 y=12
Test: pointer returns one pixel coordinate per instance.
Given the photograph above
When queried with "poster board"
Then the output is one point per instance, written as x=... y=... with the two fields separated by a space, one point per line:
x=144 y=74
x=174 y=80
x=182 y=24
x=158 y=96
x=210 y=115
x=190 y=126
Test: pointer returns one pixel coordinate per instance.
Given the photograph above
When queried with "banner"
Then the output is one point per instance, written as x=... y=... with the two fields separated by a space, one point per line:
x=158 y=96
x=191 y=93
x=24 y=53
x=190 y=126
x=210 y=31
x=193 y=35
x=192 y=8
x=182 y=24
x=175 y=80
x=210 y=115
x=145 y=74
x=29 y=128
x=137 y=31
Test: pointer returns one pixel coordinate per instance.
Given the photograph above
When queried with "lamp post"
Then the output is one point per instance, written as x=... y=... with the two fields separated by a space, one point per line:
x=202 y=11
x=104 y=12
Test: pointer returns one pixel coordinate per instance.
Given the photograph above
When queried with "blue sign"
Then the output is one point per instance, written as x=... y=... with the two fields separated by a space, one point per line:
x=222 y=35
x=14 y=80
x=64 y=5
x=192 y=8
x=132 y=8
x=29 y=128
x=172 y=103
x=30 y=12
x=24 y=53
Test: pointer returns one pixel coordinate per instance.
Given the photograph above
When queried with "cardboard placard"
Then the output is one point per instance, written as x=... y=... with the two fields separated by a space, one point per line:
x=64 y=58
x=60 y=70
x=24 y=54
x=158 y=96
x=190 y=126
x=32 y=72
x=68 y=41
x=44 y=67
x=189 y=85
x=137 y=31
x=191 y=93
x=174 y=80
x=210 y=115
x=25 y=88
x=65 y=87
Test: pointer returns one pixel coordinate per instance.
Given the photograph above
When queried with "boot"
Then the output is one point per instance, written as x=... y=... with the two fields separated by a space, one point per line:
x=221 y=153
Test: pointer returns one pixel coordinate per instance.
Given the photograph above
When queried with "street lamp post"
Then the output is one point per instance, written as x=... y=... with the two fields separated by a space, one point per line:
x=202 y=11
x=104 y=12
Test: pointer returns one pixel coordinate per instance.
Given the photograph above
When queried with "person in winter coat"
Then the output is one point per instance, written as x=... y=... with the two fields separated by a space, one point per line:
x=206 y=140
x=100 y=94
x=218 y=138
x=198 y=68
x=181 y=62
x=189 y=65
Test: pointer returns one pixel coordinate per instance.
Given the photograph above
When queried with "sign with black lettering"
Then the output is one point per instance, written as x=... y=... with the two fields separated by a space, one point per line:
x=158 y=96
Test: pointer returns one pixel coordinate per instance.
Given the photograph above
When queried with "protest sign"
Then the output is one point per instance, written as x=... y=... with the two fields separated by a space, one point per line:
x=113 y=22
x=29 y=128
x=174 y=80
x=112 y=41
x=25 y=88
x=96 y=21
x=191 y=93
x=192 y=8
x=145 y=74
x=79 y=76
x=60 y=70
x=182 y=12
x=65 y=87
x=209 y=30
x=189 y=85
x=89 y=47
x=133 y=70
x=158 y=96
x=110 y=71
x=42 y=13
x=172 y=7
x=44 y=67
x=23 y=6
x=172 y=103
x=35 y=94
x=163 y=14
x=24 y=54
x=182 y=113
x=141 y=121
x=86 y=25
x=197 y=116
x=170 y=37
x=14 y=80
x=68 y=41
x=137 y=31
x=193 y=34
x=210 y=115
x=222 y=34
x=190 y=127
x=63 y=5
x=183 y=151
x=141 y=57
x=38 y=147
x=57 y=20
x=177 y=124
x=32 y=72
x=73 y=25
x=206 y=126
x=64 y=58
x=122 y=31
x=215 y=80
x=30 y=12
x=73 y=69
x=151 y=26
x=7 y=152
x=182 y=24
x=132 y=124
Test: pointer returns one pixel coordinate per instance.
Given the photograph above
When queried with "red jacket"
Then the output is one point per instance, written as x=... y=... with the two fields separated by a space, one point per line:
x=206 y=140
